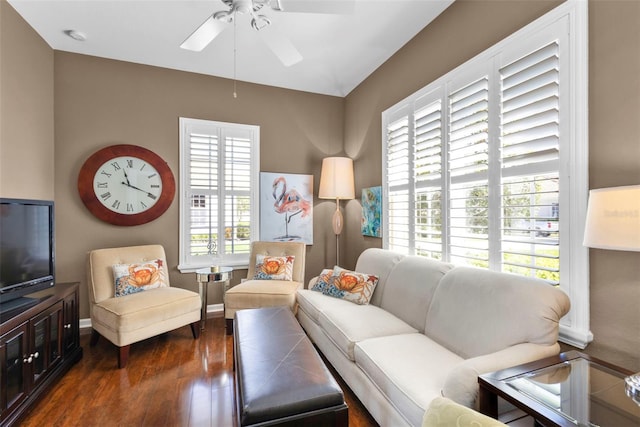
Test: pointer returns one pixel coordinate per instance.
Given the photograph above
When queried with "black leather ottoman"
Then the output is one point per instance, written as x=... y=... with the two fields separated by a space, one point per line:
x=280 y=378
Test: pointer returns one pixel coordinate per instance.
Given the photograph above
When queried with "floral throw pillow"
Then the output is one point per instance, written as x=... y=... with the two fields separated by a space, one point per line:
x=274 y=267
x=323 y=280
x=133 y=278
x=351 y=286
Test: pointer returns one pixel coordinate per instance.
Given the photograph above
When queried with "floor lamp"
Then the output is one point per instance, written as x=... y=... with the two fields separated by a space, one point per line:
x=613 y=222
x=336 y=182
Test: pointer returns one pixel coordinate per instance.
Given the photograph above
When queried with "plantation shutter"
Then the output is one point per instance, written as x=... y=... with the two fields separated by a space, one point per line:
x=468 y=152
x=427 y=166
x=237 y=185
x=530 y=141
x=397 y=172
x=219 y=172
x=512 y=155
x=203 y=192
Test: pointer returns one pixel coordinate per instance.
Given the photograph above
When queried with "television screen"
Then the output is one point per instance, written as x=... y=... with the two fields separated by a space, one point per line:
x=26 y=247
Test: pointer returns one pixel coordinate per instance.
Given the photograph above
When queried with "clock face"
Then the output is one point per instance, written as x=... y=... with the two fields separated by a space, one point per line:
x=127 y=185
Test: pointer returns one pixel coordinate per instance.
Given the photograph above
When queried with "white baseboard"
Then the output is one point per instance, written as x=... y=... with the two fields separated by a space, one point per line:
x=212 y=308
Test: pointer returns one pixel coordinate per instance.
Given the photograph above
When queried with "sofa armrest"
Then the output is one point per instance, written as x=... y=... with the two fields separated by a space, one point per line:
x=461 y=384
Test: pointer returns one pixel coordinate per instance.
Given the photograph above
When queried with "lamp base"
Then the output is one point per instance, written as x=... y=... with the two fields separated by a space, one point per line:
x=632 y=387
x=338 y=220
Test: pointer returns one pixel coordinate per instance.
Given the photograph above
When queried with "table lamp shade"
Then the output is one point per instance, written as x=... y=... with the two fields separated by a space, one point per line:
x=613 y=219
x=336 y=178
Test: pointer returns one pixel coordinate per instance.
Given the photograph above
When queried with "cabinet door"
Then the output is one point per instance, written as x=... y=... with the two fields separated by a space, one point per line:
x=46 y=342
x=14 y=372
x=71 y=323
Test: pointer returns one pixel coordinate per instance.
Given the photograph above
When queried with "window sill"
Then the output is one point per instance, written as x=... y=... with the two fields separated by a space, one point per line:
x=191 y=268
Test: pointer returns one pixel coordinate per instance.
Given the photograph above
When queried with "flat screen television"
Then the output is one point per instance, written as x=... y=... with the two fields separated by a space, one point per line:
x=27 y=250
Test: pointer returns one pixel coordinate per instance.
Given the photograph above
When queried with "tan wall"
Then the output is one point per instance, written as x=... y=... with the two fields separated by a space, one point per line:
x=99 y=102
x=614 y=70
x=26 y=110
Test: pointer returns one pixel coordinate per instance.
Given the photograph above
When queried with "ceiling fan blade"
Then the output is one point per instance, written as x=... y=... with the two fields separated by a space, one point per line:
x=314 y=6
x=281 y=47
x=203 y=35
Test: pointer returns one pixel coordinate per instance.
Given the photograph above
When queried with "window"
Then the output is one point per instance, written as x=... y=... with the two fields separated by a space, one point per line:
x=487 y=166
x=218 y=192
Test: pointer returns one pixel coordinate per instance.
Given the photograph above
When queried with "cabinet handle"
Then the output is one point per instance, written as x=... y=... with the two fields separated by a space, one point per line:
x=67 y=326
x=28 y=359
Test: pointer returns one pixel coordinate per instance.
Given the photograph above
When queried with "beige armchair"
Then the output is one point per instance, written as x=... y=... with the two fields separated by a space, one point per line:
x=266 y=293
x=134 y=317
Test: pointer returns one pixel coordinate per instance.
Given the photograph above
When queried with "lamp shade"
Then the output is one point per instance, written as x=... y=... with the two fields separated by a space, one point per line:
x=613 y=219
x=336 y=178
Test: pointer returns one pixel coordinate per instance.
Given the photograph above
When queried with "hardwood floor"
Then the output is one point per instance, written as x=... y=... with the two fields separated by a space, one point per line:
x=170 y=380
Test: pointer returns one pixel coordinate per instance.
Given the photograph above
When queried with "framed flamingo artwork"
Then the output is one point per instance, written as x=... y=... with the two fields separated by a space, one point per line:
x=286 y=207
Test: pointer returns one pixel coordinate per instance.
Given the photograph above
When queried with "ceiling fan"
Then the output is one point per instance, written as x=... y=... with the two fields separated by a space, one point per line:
x=279 y=44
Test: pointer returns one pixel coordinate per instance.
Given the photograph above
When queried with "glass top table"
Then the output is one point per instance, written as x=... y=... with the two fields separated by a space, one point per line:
x=204 y=276
x=571 y=389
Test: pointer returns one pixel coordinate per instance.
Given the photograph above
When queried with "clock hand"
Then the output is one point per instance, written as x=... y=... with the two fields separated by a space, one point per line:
x=136 y=188
x=126 y=177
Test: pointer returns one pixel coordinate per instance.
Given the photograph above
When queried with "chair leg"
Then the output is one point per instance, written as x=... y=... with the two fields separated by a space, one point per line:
x=195 y=330
x=229 y=326
x=123 y=356
x=95 y=336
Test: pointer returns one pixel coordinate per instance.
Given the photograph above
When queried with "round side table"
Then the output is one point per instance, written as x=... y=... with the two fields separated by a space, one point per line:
x=204 y=276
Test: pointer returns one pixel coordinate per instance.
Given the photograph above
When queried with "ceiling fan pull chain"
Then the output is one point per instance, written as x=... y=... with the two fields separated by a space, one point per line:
x=235 y=94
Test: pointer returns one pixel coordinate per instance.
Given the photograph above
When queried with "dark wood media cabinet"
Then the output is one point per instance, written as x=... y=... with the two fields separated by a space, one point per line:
x=38 y=345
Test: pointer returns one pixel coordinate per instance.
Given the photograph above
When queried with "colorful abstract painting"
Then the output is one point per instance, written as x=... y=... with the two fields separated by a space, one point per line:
x=372 y=211
x=286 y=207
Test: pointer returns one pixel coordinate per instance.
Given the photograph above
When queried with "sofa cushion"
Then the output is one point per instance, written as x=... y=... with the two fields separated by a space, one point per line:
x=137 y=311
x=346 y=326
x=476 y=311
x=410 y=288
x=408 y=369
x=260 y=293
x=313 y=303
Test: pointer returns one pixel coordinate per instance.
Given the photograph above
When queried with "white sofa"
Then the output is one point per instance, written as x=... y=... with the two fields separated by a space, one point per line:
x=429 y=331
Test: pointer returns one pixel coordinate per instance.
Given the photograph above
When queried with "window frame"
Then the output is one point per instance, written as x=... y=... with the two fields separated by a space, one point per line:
x=574 y=327
x=188 y=263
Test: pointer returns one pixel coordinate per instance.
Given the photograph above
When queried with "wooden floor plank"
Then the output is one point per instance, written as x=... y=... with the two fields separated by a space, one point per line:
x=170 y=380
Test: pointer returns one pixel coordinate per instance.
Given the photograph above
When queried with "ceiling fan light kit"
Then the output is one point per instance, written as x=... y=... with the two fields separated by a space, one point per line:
x=279 y=44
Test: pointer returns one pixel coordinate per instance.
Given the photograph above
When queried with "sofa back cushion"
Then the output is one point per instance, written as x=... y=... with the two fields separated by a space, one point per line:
x=379 y=262
x=410 y=288
x=476 y=311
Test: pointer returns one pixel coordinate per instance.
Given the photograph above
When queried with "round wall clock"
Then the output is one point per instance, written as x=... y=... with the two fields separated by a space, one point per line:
x=126 y=185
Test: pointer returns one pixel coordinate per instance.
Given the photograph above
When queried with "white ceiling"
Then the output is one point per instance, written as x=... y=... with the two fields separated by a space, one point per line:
x=339 y=51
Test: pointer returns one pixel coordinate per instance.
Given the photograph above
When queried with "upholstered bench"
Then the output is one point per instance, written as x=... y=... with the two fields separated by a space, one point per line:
x=280 y=378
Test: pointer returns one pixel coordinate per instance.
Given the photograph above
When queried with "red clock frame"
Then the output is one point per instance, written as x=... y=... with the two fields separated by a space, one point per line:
x=97 y=159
